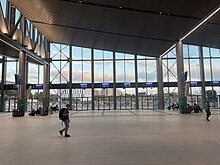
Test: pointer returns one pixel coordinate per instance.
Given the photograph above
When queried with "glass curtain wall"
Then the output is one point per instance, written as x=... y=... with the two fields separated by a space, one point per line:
x=59 y=74
x=125 y=74
x=81 y=74
x=34 y=96
x=103 y=63
x=103 y=74
x=169 y=65
x=211 y=61
x=147 y=73
x=12 y=68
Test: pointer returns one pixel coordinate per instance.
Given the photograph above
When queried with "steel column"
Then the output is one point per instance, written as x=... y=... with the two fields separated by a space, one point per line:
x=92 y=70
x=180 y=77
x=160 y=83
x=70 y=77
x=22 y=73
x=136 y=82
x=114 y=83
x=46 y=80
x=2 y=103
x=202 y=75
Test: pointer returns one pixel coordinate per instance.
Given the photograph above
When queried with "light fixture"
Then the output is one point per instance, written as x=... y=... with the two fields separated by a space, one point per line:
x=167 y=50
x=196 y=27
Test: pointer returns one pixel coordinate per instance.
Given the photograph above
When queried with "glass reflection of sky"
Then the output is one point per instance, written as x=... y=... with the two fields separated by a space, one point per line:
x=3 y=3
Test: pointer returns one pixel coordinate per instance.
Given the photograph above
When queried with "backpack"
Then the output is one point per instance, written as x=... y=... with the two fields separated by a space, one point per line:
x=61 y=116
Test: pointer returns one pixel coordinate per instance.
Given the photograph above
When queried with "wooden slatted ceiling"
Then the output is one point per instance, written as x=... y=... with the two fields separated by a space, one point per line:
x=138 y=27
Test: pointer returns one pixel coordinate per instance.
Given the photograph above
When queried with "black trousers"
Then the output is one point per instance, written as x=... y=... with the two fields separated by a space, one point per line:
x=208 y=113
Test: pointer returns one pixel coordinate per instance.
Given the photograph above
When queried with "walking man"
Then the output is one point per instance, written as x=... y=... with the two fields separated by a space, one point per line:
x=207 y=109
x=64 y=116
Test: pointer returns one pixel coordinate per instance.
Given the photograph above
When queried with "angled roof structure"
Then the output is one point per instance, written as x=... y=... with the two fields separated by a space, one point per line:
x=143 y=27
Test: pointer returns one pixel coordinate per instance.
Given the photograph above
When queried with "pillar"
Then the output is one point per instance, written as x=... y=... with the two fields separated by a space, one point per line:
x=93 y=90
x=2 y=101
x=181 y=77
x=160 y=83
x=22 y=100
x=202 y=76
x=136 y=83
x=46 y=79
x=46 y=86
x=114 y=83
x=70 y=78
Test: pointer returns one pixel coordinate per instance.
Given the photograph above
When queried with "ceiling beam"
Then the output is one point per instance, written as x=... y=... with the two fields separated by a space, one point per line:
x=19 y=47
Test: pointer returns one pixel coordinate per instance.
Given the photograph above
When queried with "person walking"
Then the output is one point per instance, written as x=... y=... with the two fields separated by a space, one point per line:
x=64 y=116
x=207 y=109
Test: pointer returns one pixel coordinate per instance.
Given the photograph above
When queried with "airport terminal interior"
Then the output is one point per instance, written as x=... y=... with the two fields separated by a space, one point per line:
x=131 y=71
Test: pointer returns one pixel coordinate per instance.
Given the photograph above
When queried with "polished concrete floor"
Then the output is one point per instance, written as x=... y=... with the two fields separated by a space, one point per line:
x=125 y=137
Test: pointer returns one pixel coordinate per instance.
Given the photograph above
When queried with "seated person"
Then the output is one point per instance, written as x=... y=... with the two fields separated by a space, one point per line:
x=177 y=106
x=196 y=108
x=32 y=113
x=38 y=111
x=173 y=106
x=55 y=108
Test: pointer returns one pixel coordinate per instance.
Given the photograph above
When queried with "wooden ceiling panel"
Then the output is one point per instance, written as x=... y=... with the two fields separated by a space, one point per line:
x=132 y=26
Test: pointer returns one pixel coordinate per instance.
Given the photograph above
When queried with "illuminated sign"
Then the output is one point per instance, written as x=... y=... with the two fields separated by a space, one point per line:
x=38 y=86
x=105 y=85
x=215 y=83
x=127 y=85
x=193 y=84
x=83 y=85
x=149 y=84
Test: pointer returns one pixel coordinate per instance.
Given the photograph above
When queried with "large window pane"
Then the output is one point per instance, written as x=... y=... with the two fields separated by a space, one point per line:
x=98 y=54
x=193 y=51
x=86 y=72
x=141 y=71
x=151 y=71
x=119 y=55
x=33 y=73
x=77 y=53
x=215 y=52
x=129 y=71
x=186 y=68
x=77 y=71
x=98 y=71
x=207 y=70
x=108 y=71
x=216 y=69
x=108 y=55
x=86 y=54
x=120 y=71
x=11 y=71
x=172 y=70
x=206 y=52
x=185 y=51
x=194 y=70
